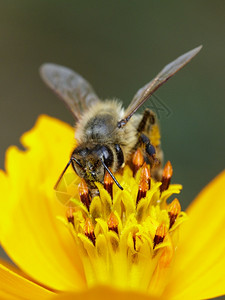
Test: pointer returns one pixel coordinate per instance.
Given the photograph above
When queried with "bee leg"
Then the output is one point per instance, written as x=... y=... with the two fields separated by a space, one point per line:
x=149 y=149
x=147 y=120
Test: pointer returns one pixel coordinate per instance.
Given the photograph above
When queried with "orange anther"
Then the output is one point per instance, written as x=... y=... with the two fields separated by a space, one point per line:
x=142 y=190
x=161 y=230
x=82 y=187
x=173 y=210
x=108 y=179
x=144 y=184
x=160 y=234
x=69 y=215
x=146 y=175
x=138 y=160
x=88 y=226
x=89 y=230
x=84 y=193
x=168 y=170
x=167 y=174
x=174 y=207
x=108 y=184
x=113 y=222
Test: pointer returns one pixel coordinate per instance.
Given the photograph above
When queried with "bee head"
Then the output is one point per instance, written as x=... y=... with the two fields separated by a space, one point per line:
x=92 y=163
x=88 y=165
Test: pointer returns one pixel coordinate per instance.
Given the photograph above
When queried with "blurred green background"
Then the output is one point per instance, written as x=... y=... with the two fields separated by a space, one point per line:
x=119 y=46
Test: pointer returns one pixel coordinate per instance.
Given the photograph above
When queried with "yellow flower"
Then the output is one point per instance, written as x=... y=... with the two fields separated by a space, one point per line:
x=117 y=249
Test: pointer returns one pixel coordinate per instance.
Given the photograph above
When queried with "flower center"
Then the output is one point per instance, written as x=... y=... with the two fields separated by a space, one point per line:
x=128 y=238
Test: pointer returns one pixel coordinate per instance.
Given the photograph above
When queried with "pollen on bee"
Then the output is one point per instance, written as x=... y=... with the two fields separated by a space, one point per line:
x=113 y=222
x=70 y=215
x=160 y=234
x=108 y=184
x=173 y=210
x=138 y=160
x=166 y=177
x=89 y=230
x=84 y=193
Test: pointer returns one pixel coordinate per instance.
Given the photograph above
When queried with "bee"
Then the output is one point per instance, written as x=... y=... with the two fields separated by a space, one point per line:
x=107 y=134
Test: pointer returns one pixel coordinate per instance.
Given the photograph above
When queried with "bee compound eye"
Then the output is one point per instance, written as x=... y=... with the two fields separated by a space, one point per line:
x=107 y=156
x=120 y=156
x=104 y=153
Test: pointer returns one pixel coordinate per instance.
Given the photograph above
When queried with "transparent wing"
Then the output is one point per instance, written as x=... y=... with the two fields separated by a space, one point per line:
x=73 y=89
x=145 y=92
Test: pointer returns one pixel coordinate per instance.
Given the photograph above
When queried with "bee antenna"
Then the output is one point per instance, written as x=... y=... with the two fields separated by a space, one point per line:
x=60 y=177
x=112 y=176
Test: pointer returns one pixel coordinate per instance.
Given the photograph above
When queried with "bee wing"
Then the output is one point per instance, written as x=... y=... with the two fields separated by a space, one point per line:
x=72 y=88
x=145 y=92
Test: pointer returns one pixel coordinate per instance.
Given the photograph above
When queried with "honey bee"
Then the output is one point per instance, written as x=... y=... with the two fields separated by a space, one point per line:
x=107 y=134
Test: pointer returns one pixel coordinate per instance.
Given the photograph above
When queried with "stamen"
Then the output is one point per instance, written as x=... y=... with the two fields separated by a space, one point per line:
x=167 y=174
x=113 y=222
x=138 y=160
x=89 y=230
x=145 y=173
x=159 y=235
x=84 y=193
x=108 y=184
x=69 y=215
x=142 y=190
x=144 y=184
x=173 y=210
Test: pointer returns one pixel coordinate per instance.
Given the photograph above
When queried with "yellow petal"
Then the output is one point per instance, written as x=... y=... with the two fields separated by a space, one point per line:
x=30 y=231
x=104 y=292
x=200 y=265
x=14 y=286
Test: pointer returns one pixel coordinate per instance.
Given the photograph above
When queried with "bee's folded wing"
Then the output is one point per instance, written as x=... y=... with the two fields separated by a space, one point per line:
x=71 y=87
